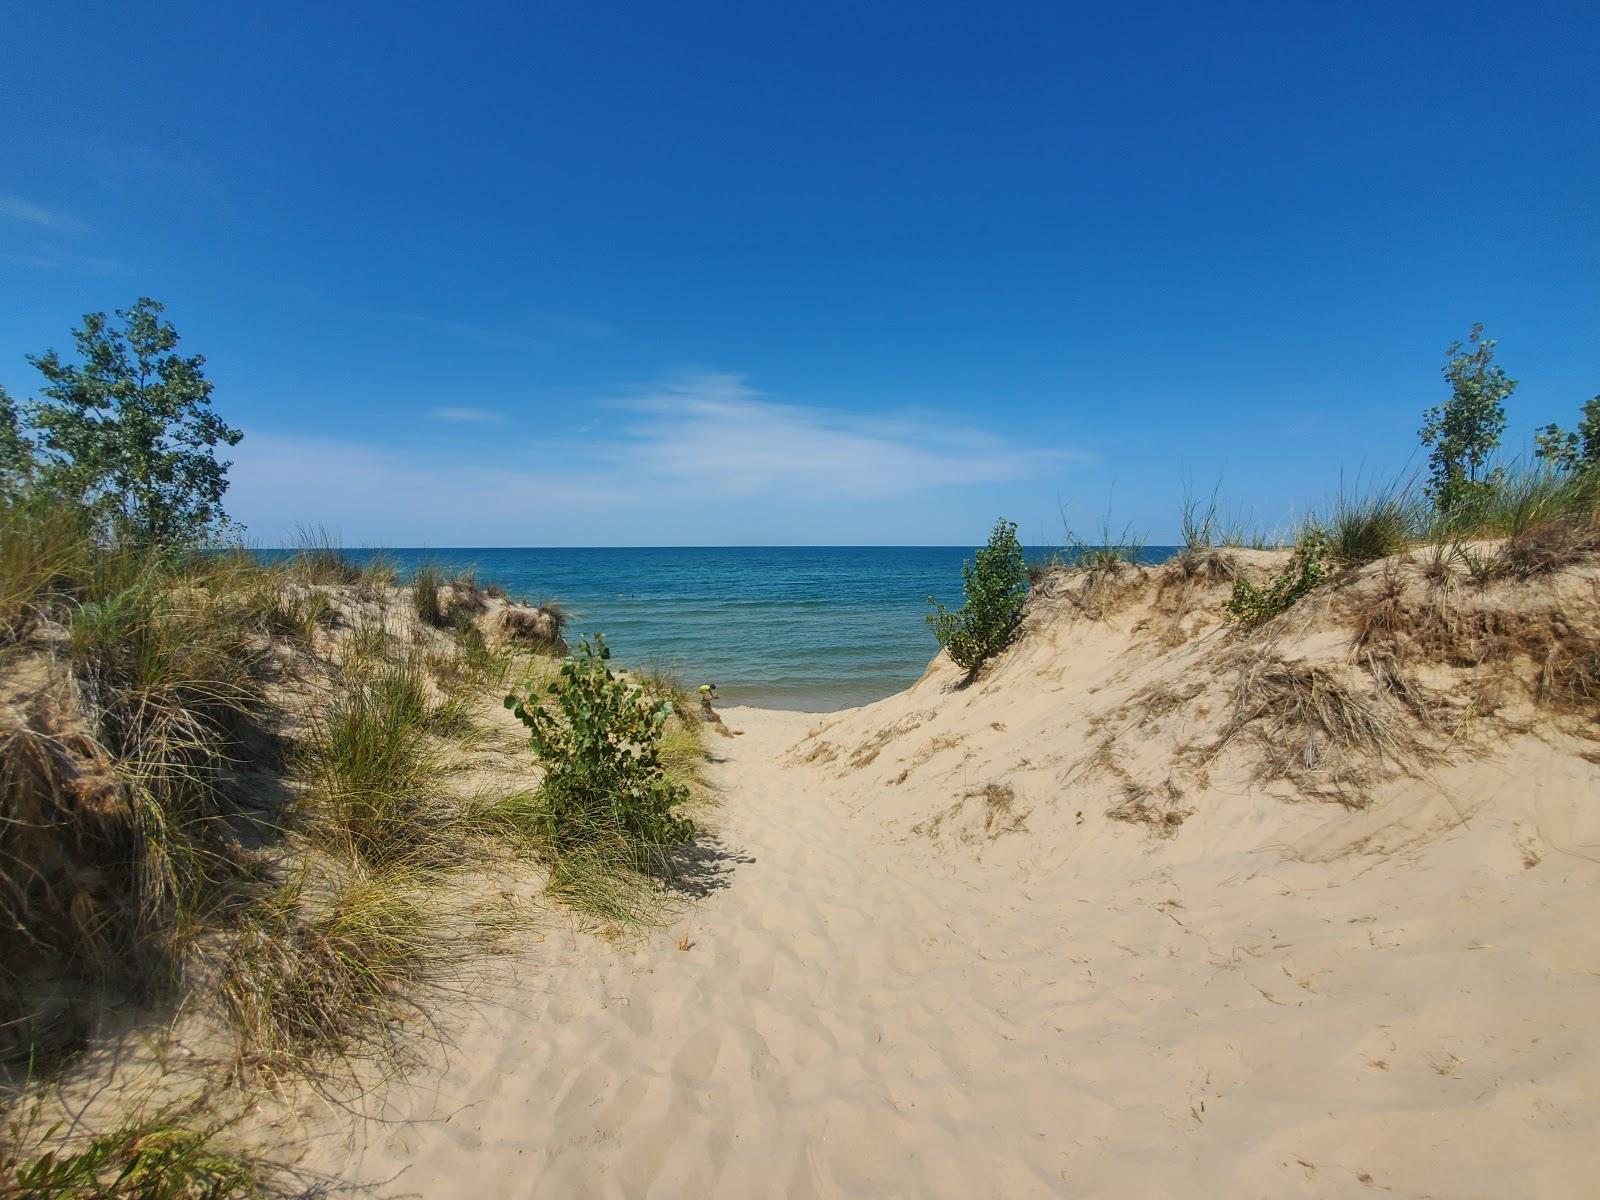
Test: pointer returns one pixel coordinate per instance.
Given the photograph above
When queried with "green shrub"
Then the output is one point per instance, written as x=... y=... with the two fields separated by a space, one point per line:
x=1307 y=567
x=601 y=749
x=995 y=586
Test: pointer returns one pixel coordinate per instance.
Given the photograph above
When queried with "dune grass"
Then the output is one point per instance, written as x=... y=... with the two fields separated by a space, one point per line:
x=178 y=1152
x=1364 y=526
x=150 y=665
x=311 y=978
x=426 y=584
x=373 y=775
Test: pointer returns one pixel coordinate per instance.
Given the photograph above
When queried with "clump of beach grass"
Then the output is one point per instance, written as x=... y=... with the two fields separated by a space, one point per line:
x=1110 y=555
x=426 y=584
x=1205 y=537
x=373 y=772
x=540 y=628
x=313 y=978
x=316 y=557
x=1365 y=526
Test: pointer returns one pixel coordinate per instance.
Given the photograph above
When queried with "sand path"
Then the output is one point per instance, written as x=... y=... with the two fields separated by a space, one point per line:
x=856 y=1016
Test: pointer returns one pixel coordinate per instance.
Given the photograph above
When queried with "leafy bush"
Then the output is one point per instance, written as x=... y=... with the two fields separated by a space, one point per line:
x=1562 y=448
x=601 y=748
x=1307 y=567
x=995 y=586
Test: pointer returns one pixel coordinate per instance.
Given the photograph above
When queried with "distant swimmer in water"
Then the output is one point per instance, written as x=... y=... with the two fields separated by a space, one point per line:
x=708 y=692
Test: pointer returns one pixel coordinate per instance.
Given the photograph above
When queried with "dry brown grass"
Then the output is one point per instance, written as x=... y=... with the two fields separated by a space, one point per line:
x=1207 y=564
x=1160 y=812
x=1318 y=731
x=1550 y=545
x=539 y=629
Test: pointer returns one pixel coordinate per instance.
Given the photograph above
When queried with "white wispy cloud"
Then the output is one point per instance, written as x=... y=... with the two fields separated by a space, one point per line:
x=87 y=264
x=14 y=208
x=465 y=415
x=699 y=460
x=721 y=434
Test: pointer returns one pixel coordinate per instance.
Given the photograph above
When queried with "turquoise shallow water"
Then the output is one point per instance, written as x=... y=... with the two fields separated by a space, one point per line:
x=814 y=628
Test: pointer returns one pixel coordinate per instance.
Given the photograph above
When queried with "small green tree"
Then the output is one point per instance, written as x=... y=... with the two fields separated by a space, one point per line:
x=995 y=585
x=130 y=429
x=1465 y=430
x=1571 y=451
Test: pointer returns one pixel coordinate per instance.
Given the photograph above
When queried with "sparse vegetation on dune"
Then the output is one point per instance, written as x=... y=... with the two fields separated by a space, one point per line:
x=243 y=772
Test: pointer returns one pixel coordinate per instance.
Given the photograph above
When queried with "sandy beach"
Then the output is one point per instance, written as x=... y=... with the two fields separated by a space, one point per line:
x=935 y=959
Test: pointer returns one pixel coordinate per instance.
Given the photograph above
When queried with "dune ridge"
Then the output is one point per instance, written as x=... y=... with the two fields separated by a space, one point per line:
x=1152 y=907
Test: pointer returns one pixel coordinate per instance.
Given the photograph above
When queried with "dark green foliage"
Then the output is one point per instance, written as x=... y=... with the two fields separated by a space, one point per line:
x=17 y=463
x=1465 y=430
x=130 y=429
x=995 y=585
x=600 y=744
x=1307 y=567
x=1569 y=451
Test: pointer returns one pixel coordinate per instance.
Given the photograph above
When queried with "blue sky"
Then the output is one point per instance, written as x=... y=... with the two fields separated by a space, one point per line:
x=743 y=273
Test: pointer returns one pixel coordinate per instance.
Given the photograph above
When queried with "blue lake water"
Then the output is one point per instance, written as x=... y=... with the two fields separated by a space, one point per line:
x=814 y=628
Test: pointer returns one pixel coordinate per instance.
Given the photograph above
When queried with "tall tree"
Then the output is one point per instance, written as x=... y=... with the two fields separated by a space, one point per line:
x=1465 y=430
x=130 y=428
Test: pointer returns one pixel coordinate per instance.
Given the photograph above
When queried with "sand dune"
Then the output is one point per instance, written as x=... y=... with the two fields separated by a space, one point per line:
x=1038 y=936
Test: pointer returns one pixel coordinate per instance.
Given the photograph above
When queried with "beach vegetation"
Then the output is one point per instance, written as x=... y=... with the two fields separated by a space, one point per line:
x=129 y=429
x=1563 y=449
x=312 y=977
x=178 y=1152
x=995 y=585
x=373 y=774
x=1252 y=604
x=427 y=583
x=1110 y=554
x=606 y=817
x=1363 y=527
x=1463 y=431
